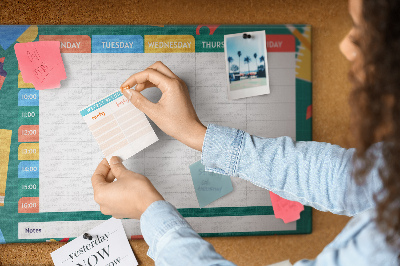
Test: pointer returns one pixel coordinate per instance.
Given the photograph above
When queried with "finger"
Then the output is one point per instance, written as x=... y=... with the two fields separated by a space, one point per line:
x=100 y=174
x=140 y=102
x=142 y=86
x=110 y=177
x=160 y=67
x=159 y=80
x=117 y=167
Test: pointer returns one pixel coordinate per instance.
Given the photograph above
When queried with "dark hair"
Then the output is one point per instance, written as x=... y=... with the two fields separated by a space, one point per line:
x=375 y=103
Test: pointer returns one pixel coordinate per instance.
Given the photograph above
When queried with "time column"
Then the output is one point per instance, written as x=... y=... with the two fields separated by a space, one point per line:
x=28 y=148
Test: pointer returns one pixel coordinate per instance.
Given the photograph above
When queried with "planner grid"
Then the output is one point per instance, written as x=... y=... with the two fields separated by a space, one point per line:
x=50 y=196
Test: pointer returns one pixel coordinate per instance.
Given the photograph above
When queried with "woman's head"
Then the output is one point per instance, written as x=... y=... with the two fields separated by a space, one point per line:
x=373 y=48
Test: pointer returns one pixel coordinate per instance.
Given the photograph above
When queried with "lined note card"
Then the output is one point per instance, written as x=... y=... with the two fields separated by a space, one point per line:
x=118 y=126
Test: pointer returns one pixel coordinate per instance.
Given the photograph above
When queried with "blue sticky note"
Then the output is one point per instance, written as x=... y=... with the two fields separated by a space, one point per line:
x=2 y=240
x=10 y=33
x=209 y=186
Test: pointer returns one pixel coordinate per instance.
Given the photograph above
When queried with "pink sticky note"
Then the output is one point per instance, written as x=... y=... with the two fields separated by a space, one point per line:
x=41 y=63
x=284 y=209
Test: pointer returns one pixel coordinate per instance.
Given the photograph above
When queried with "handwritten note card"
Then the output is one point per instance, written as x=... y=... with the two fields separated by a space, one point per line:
x=41 y=64
x=209 y=186
x=108 y=246
x=118 y=126
x=288 y=211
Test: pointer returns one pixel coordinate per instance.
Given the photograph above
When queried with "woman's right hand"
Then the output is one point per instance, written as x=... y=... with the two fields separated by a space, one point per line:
x=174 y=112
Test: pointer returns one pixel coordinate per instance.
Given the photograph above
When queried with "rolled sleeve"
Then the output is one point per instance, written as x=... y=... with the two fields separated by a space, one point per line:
x=158 y=219
x=221 y=149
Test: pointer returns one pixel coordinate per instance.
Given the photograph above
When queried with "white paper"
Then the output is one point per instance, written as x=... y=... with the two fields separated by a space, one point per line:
x=109 y=246
x=118 y=126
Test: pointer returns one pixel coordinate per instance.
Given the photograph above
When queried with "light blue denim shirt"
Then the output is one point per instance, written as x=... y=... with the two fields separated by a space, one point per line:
x=312 y=173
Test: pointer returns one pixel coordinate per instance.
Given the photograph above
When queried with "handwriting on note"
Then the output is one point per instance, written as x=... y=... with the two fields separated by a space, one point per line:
x=209 y=186
x=41 y=63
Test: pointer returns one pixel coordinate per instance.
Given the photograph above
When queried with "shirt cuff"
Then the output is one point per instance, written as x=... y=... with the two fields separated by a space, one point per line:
x=222 y=148
x=158 y=219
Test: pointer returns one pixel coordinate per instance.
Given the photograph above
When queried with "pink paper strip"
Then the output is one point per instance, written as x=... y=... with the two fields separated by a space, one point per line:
x=284 y=209
x=41 y=63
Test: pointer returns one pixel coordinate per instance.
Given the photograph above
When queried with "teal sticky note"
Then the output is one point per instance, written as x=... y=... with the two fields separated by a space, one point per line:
x=209 y=186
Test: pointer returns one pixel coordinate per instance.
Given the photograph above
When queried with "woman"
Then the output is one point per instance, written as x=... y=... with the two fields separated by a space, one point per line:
x=360 y=182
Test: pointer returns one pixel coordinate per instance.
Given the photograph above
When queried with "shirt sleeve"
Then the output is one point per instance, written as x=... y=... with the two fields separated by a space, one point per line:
x=313 y=173
x=172 y=241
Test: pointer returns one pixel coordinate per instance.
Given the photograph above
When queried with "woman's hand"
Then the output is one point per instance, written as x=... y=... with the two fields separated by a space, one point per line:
x=174 y=113
x=127 y=197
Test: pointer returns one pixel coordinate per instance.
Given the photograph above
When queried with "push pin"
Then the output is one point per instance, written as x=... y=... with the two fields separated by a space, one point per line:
x=246 y=36
x=127 y=87
x=88 y=236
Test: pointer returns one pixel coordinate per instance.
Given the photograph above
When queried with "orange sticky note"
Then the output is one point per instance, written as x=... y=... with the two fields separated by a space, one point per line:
x=41 y=63
x=288 y=211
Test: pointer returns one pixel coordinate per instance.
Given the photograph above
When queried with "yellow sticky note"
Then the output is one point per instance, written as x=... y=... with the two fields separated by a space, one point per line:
x=22 y=84
x=28 y=151
x=169 y=44
x=5 y=142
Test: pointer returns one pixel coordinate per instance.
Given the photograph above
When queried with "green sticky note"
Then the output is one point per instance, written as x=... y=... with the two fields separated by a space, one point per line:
x=209 y=186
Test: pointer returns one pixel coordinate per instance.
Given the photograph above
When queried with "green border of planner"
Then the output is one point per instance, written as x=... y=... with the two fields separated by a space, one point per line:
x=9 y=118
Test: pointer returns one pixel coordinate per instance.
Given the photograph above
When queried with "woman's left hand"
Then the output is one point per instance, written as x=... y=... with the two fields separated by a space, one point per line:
x=128 y=197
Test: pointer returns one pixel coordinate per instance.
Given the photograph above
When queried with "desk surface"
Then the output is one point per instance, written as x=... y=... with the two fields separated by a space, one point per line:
x=330 y=22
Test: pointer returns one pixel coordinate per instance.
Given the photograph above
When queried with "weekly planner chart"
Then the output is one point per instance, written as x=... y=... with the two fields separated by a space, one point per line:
x=52 y=140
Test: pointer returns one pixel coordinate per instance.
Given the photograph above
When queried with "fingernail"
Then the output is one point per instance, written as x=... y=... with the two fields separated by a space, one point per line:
x=115 y=160
x=128 y=93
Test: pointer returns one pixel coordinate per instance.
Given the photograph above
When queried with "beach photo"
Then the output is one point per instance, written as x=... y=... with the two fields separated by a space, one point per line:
x=246 y=64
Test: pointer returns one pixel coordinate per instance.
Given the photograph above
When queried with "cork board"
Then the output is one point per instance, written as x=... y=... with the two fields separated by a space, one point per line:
x=330 y=23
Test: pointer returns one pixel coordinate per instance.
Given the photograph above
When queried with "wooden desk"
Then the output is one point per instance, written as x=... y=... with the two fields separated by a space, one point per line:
x=330 y=22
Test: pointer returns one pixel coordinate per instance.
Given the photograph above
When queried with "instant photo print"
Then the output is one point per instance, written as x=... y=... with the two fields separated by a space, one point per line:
x=246 y=64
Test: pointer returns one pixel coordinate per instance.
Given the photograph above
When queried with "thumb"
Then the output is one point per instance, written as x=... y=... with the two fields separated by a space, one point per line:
x=138 y=100
x=117 y=167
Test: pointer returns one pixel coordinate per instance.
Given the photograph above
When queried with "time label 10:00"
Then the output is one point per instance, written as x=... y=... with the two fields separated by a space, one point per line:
x=29 y=96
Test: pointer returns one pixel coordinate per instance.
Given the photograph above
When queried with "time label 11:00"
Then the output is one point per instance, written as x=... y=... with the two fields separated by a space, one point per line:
x=28 y=114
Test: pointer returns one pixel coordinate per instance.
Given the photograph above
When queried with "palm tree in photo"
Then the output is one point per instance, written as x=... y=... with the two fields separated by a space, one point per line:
x=230 y=60
x=239 y=54
x=262 y=59
x=255 y=58
x=247 y=60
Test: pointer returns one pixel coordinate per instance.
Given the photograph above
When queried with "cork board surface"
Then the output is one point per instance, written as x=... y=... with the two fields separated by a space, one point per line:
x=330 y=22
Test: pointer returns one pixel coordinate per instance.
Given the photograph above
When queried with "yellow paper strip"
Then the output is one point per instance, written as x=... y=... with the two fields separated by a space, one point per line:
x=22 y=84
x=169 y=44
x=28 y=151
x=5 y=142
